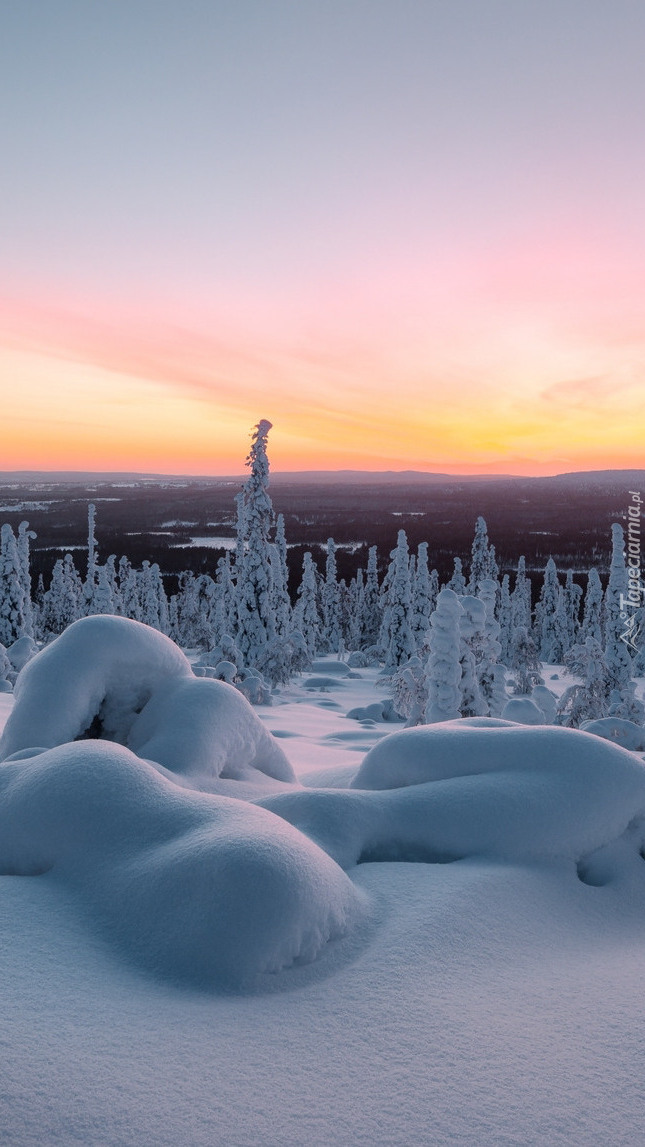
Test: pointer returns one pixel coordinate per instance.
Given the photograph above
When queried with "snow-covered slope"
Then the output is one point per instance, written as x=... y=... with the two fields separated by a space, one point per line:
x=449 y=951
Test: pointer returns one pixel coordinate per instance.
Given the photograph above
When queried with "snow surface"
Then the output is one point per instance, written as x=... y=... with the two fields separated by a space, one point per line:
x=310 y=968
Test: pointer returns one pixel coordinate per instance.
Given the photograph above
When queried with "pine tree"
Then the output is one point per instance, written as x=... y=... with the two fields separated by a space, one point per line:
x=422 y=599
x=524 y=661
x=481 y=562
x=332 y=627
x=91 y=581
x=472 y=625
x=306 y=617
x=63 y=601
x=505 y=619
x=521 y=598
x=489 y=672
x=396 y=636
x=545 y=612
x=280 y=580
x=372 y=613
x=457 y=582
x=25 y=535
x=443 y=668
x=592 y=619
x=617 y=654
x=588 y=699
x=12 y=589
x=254 y=584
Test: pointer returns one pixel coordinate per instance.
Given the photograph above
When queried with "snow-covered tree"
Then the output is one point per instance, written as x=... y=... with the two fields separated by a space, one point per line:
x=410 y=691
x=396 y=637
x=588 y=699
x=280 y=580
x=490 y=673
x=12 y=589
x=524 y=661
x=505 y=618
x=91 y=580
x=306 y=617
x=472 y=625
x=481 y=562
x=443 y=668
x=457 y=581
x=372 y=613
x=254 y=584
x=422 y=601
x=332 y=634
x=521 y=598
x=63 y=601
x=617 y=654
x=25 y=536
x=545 y=612
x=592 y=618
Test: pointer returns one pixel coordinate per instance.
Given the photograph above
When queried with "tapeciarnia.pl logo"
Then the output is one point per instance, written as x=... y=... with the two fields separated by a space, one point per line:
x=633 y=599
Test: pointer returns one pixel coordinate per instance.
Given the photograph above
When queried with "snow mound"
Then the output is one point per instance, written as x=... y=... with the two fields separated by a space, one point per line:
x=524 y=711
x=494 y=790
x=626 y=733
x=200 y=726
x=21 y=652
x=202 y=889
x=94 y=679
x=332 y=668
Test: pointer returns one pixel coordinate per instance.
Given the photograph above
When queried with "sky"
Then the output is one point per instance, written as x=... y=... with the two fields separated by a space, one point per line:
x=410 y=233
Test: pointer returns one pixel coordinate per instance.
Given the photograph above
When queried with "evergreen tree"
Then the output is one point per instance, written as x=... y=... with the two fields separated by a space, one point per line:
x=617 y=654
x=91 y=581
x=524 y=661
x=505 y=619
x=332 y=625
x=422 y=599
x=12 y=589
x=592 y=618
x=443 y=668
x=472 y=625
x=25 y=535
x=254 y=584
x=481 y=562
x=396 y=636
x=372 y=612
x=545 y=612
x=586 y=700
x=306 y=617
x=521 y=598
x=63 y=601
x=489 y=672
x=457 y=582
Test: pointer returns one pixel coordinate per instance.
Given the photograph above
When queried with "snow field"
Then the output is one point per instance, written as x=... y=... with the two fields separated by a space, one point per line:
x=489 y=993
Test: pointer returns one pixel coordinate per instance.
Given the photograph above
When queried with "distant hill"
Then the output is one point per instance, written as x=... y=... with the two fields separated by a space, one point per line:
x=605 y=479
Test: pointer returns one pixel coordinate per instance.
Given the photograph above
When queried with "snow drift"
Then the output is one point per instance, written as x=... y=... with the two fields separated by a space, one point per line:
x=205 y=889
x=115 y=679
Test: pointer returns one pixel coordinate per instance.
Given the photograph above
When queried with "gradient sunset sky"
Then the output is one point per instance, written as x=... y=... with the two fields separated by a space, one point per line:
x=411 y=233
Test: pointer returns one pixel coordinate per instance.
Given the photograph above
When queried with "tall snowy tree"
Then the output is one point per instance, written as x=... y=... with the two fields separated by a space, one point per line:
x=332 y=634
x=443 y=668
x=12 y=589
x=489 y=672
x=505 y=620
x=481 y=561
x=63 y=601
x=524 y=661
x=372 y=612
x=617 y=654
x=91 y=580
x=306 y=617
x=472 y=625
x=545 y=612
x=587 y=699
x=25 y=536
x=422 y=603
x=592 y=618
x=396 y=637
x=457 y=581
x=254 y=585
x=521 y=598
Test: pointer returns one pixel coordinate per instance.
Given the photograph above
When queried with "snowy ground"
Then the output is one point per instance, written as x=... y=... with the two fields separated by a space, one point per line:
x=485 y=1002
